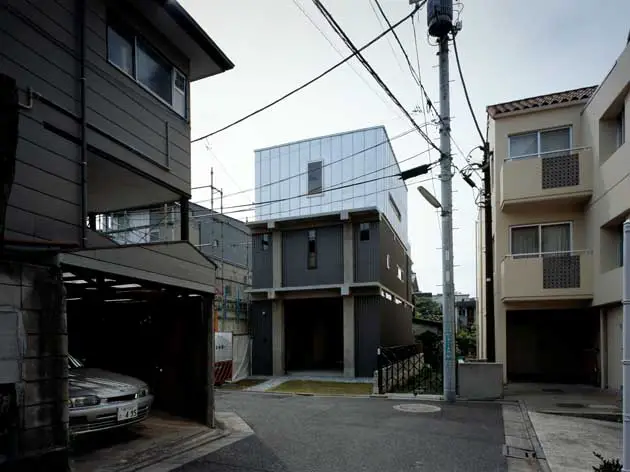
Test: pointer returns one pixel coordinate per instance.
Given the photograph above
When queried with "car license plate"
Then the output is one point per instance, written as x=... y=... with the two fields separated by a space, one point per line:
x=127 y=412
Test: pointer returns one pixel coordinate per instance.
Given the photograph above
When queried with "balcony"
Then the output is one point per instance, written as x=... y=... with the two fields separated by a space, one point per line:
x=550 y=276
x=552 y=179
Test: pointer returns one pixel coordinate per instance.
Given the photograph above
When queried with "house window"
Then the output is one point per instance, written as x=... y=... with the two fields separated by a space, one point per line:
x=133 y=56
x=364 y=232
x=620 y=127
x=312 y=249
x=539 y=143
x=400 y=274
x=314 y=178
x=536 y=240
x=154 y=72
x=120 y=50
x=265 y=242
x=394 y=207
x=227 y=290
x=387 y=261
x=215 y=243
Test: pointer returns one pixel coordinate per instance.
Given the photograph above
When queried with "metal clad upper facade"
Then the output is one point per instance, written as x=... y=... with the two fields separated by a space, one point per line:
x=347 y=160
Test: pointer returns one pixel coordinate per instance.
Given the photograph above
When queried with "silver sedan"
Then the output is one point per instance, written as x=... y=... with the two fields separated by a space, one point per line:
x=102 y=400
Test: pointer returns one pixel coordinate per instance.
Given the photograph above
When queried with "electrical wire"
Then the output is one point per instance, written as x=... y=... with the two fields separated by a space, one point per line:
x=389 y=43
x=306 y=84
x=284 y=179
x=340 y=187
x=253 y=206
x=244 y=210
x=365 y=81
x=411 y=69
x=372 y=72
x=461 y=76
x=424 y=113
x=330 y=202
x=216 y=158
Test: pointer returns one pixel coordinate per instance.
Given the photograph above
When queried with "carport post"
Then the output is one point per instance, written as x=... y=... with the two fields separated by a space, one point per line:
x=208 y=322
x=626 y=347
x=185 y=219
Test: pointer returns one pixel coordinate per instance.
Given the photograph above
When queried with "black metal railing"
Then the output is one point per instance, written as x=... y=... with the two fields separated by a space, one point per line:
x=409 y=369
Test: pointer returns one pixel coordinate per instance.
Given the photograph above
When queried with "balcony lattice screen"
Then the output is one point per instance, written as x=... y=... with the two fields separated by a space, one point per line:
x=561 y=271
x=560 y=171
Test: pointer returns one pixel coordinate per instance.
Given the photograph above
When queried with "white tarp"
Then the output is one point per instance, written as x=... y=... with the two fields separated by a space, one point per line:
x=241 y=346
x=222 y=347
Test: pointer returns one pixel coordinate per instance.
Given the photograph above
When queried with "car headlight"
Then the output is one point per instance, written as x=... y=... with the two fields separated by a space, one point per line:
x=80 y=402
x=143 y=392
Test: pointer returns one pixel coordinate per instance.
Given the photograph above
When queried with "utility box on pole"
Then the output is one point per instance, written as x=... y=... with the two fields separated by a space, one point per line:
x=440 y=17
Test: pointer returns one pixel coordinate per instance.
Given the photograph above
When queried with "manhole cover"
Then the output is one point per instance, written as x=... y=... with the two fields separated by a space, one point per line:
x=417 y=408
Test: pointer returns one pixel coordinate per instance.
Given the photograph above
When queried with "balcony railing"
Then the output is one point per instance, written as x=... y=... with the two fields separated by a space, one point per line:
x=547 y=276
x=561 y=176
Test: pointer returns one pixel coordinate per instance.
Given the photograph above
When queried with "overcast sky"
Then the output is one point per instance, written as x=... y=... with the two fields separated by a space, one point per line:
x=509 y=49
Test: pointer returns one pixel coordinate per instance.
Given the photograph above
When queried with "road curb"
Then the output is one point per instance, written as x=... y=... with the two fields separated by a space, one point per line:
x=541 y=459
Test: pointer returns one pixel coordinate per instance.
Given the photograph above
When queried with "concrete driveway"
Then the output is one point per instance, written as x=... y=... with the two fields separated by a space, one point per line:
x=329 y=434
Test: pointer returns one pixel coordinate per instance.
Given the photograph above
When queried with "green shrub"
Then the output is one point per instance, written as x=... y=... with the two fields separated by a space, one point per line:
x=607 y=465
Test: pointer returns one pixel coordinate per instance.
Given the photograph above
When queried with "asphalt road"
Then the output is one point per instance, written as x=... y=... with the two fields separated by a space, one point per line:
x=319 y=434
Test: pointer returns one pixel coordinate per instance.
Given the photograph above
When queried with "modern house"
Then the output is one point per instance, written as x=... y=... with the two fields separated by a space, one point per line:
x=224 y=240
x=560 y=193
x=94 y=118
x=331 y=274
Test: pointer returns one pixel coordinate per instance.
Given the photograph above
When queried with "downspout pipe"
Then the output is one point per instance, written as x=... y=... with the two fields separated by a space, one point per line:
x=82 y=7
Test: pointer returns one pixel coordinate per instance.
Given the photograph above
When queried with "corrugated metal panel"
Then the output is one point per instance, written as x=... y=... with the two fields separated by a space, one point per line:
x=367 y=255
x=396 y=324
x=329 y=268
x=367 y=338
x=348 y=158
x=262 y=263
x=262 y=353
x=389 y=244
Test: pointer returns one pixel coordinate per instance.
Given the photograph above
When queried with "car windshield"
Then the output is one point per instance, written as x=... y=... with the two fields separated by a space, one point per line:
x=74 y=363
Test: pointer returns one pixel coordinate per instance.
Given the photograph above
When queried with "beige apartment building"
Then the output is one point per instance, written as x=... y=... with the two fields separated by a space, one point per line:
x=560 y=173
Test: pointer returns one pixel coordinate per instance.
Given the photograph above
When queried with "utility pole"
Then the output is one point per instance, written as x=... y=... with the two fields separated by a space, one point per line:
x=489 y=255
x=440 y=23
x=625 y=361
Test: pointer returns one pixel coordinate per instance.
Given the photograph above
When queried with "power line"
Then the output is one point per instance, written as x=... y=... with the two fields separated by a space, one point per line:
x=310 y=19
x=461 y=76
x=424 y=111
x=331 y=202
x=340 y=187
x=306 y=84
x=252 y=206
x=216 y=158
x=369 y=68
x=391 y=47
x=413 y=72
x=284 y=179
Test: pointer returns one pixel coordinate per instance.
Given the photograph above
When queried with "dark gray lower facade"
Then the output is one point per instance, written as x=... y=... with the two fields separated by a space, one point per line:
x=324 y=332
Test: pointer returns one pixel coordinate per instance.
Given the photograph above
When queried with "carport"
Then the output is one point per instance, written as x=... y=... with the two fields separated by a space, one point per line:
x=145 y=311
x=314 y=335
x=558 y=346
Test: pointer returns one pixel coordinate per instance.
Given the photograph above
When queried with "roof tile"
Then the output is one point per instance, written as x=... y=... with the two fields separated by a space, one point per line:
x=541 y=101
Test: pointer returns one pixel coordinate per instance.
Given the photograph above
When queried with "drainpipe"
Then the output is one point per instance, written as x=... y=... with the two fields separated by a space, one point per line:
x=82 y=45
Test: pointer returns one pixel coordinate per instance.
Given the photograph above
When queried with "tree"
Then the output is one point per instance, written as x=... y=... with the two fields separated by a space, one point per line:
x=428 y=309
x=466 y=340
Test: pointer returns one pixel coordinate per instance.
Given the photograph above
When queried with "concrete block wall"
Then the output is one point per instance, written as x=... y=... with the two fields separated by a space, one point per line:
x=33 y=358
